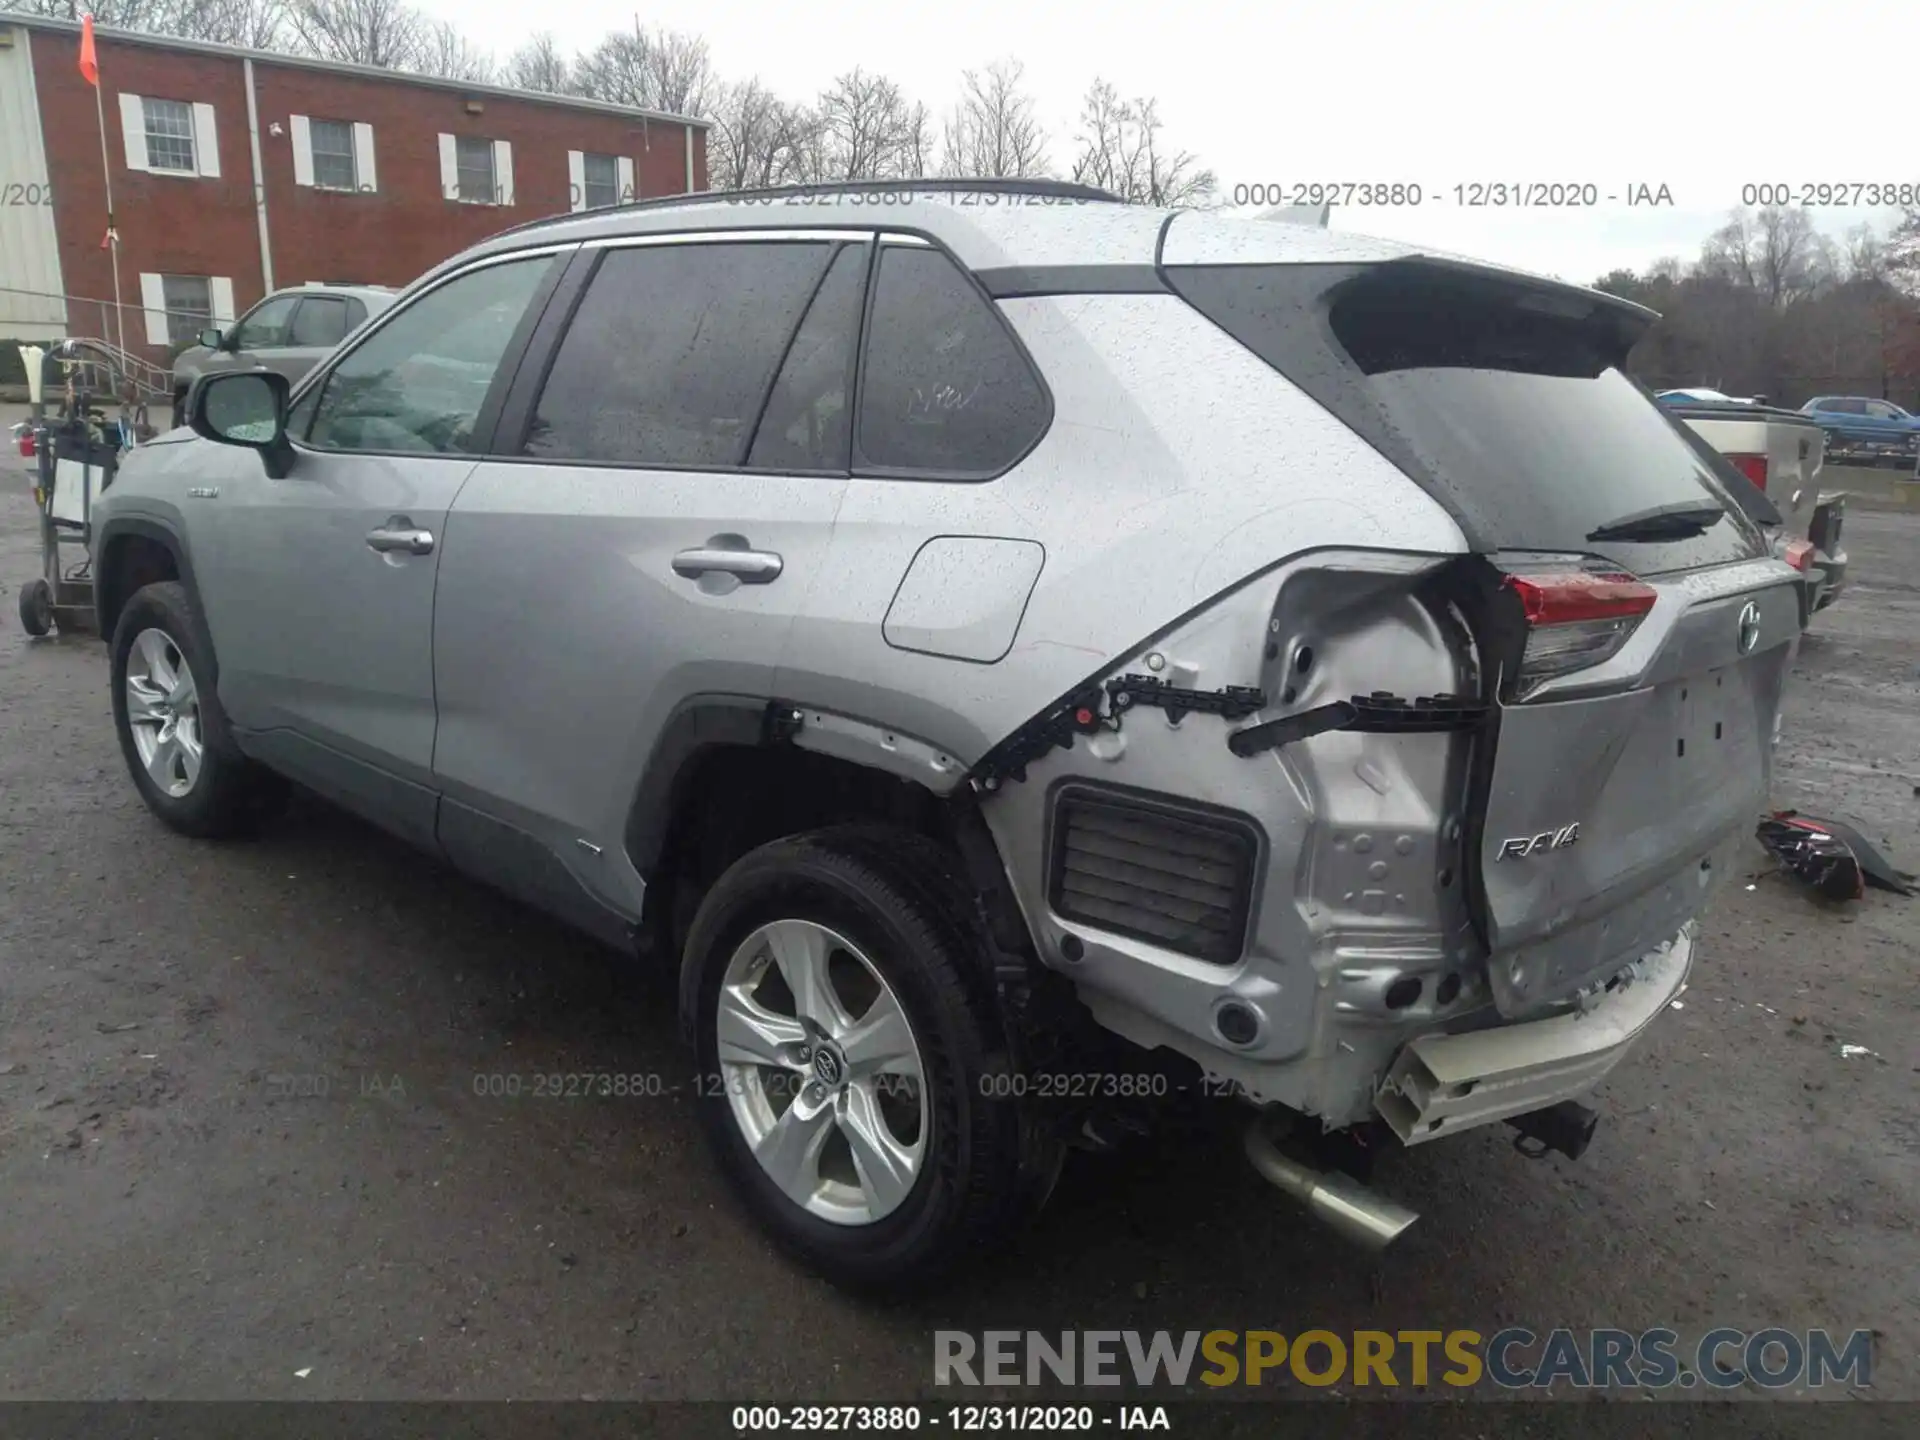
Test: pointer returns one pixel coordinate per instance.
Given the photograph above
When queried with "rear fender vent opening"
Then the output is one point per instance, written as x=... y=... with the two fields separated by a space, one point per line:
x=1170 y=873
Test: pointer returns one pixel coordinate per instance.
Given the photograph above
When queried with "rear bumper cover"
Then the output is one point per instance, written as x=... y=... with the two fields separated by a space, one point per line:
x=1440 y=1084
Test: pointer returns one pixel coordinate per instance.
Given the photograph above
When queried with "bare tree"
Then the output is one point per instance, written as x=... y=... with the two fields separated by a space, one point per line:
x=868 y=130
x=1864 y=256
x=388 y=33
x=253 y=23
x=1121 y=150
x=113 y=14
x=446 y=52
x=1775 y=252
x=649 y=69
x=1903 y=252
x=539 y=64
x=757 y=139
x=993 y=131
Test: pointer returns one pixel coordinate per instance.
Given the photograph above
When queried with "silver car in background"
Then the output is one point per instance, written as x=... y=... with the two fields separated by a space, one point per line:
x=288 y=332
x=1015 y=656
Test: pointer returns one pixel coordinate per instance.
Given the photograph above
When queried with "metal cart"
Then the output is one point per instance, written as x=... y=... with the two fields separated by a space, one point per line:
x=89 y=408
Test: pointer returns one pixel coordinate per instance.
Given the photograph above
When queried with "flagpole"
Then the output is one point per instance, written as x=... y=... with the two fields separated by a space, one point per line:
x=113 y=233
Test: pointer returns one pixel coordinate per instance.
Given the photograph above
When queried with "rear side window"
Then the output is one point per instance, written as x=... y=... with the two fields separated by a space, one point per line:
x=322 y=322
x=946 y=392
x=672 y=351
x=808 y=419
x=1504 y=401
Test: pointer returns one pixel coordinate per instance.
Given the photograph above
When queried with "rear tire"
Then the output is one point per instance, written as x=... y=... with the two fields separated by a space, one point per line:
x=172 y=730
x=871 y=910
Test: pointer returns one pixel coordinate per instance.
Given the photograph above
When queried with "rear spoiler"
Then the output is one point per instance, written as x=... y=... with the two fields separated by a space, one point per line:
x=1315 y=215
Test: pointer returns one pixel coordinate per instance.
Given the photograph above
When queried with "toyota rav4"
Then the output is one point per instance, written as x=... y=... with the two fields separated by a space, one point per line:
x=984 y=636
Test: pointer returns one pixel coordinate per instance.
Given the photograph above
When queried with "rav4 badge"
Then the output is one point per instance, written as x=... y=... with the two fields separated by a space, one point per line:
x=1521 y=846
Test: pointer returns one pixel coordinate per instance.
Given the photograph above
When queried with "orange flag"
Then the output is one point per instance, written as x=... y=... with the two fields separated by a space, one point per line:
x=89 y=62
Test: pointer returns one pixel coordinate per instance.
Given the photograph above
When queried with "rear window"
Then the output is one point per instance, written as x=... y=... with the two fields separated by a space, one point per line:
x=1504 y=401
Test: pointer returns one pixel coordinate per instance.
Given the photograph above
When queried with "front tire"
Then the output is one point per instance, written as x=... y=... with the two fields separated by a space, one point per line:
x=172 y=731
x=847 y=1050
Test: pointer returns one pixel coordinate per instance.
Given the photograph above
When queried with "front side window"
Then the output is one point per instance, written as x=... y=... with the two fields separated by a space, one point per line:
x=332 y=145
x=671 y=352
x=321 y=323
x=189 y=302
x=418 y=383
x=601 y=174
x=946 y=391
x=169 y=135
x=266 y=324
x=474 y=158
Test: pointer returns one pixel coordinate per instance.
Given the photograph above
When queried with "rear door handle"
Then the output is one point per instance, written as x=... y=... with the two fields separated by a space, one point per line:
x=750 y=567
x=403 y=538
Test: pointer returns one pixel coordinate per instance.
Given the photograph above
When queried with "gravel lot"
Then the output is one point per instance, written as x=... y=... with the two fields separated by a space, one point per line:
x=176 y=1220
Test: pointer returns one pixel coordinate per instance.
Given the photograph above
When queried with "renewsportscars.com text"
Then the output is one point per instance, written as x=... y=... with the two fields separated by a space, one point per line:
x=1511 y=1358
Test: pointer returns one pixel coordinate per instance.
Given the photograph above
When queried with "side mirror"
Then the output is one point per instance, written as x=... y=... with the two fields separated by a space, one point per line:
x=246 y=408
x=211 y=339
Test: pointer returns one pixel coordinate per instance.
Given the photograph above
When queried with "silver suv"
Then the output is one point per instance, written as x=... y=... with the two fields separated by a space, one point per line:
x=1019 y=657
x=290 y=332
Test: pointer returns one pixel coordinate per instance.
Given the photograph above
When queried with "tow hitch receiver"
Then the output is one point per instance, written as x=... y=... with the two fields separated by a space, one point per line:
x=1567 y=1127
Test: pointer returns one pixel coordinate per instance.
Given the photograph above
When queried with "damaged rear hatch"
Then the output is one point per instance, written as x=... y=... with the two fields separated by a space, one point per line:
x=1632 y=631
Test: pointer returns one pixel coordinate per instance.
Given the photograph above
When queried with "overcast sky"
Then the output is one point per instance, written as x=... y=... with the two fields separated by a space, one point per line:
x=1701 y=97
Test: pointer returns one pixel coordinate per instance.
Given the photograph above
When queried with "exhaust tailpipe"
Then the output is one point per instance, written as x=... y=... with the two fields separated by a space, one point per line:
x=1338 y=1201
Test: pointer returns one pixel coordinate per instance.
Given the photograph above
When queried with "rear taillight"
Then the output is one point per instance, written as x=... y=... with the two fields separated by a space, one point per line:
x=1575 y=618
x=1798 y=554
x=1754 y=467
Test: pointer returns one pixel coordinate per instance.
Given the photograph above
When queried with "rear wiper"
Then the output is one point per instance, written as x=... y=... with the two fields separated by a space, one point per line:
x=1662 y=522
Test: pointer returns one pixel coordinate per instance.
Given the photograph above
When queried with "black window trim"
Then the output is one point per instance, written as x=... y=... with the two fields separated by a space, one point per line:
x=536 y=365
x=507 y=413
x=488 y=418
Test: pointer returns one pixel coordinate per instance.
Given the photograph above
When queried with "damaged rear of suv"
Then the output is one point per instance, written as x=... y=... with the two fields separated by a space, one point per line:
x=1439 y=864
x=1017 y=656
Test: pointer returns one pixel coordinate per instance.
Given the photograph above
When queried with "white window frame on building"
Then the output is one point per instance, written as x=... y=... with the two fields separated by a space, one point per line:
x=587 y=192
x=202 y=138
x=354 y=145
x=499 y=153
x=172 y=320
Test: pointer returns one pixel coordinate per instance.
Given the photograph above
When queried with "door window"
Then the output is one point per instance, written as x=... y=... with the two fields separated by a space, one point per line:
x=265 y=325
x=670 y=354
x=418 y=382
x=807 y=421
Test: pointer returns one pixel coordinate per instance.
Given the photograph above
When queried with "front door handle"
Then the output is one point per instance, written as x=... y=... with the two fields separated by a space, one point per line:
x=750 y=567
x=402 y=537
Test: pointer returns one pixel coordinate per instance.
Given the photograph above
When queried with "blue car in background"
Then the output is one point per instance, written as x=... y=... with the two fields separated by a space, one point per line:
x=1864 y=431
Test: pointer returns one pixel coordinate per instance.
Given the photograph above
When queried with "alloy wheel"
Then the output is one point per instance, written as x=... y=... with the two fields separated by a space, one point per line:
x=822 y=1072
x=163 y=712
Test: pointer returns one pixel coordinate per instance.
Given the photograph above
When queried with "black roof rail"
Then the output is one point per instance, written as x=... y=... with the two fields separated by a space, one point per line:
x=1056 y=189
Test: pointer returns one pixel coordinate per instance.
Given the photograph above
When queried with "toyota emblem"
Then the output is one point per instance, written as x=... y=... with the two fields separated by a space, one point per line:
x=1749 y=627
x=826 y=1067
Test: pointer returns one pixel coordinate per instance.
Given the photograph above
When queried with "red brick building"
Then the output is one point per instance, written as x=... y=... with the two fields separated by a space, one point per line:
x=236 y=172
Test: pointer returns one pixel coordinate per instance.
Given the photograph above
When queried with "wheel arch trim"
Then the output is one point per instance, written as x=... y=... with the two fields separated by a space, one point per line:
x=107 y=597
